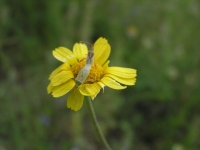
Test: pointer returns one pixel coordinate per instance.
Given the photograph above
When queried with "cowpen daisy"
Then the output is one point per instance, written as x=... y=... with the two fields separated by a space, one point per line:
x=63 y=79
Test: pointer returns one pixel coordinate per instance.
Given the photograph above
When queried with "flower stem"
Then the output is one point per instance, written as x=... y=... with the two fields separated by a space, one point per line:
x=96 y=124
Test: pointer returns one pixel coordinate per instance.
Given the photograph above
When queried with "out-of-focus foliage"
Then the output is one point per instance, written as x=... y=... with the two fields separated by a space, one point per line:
x=158 y=38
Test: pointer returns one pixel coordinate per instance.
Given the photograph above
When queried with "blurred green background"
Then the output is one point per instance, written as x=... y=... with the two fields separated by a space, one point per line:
x=160 y=39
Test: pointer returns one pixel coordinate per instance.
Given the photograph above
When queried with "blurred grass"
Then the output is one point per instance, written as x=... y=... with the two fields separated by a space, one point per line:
x=158 y=38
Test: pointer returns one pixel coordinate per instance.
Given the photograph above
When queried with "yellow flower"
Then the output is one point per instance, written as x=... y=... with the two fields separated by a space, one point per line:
x=62 y=80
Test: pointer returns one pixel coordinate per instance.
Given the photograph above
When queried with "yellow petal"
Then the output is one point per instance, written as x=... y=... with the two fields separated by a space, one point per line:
x=50 y=88
x=92 y=97
x=89 y=89
x=80 y=51
x=101 y=51
x=121 y=72
x=64 y=88
x=75 y=100
x=64 y=66
x=62 y=77
x=101 y=84
x=65 y=55
x=106 y=64
x=112 y=83
x=126 y=81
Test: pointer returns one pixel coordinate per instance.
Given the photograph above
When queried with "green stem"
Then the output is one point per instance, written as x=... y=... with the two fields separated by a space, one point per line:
x=96 y=124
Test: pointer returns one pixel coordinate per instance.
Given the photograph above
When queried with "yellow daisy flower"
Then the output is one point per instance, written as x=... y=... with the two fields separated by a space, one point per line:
x=63 y=79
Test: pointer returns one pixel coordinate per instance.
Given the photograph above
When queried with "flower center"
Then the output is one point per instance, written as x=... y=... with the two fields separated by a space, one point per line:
x=96 y=71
